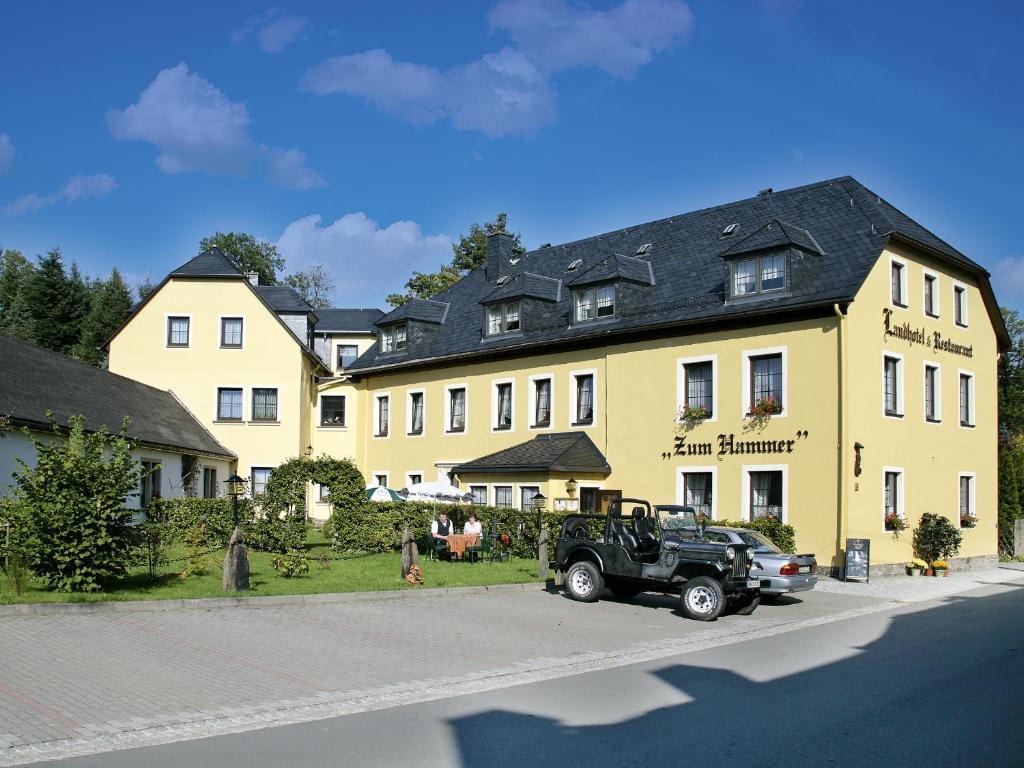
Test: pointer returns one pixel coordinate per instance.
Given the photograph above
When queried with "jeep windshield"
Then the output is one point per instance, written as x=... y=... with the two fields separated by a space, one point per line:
x=675 y=518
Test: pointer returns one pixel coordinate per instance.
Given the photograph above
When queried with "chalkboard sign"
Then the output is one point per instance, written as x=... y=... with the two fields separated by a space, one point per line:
x=858 y=559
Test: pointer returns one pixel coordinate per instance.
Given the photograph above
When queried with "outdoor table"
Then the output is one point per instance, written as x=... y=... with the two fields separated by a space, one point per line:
x=457 y=542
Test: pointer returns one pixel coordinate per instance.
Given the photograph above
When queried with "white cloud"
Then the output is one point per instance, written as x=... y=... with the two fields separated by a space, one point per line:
x=366 y=260
x=1008 y=276
x=557 y=36
x=510 y=92
x=77 y=188
x=6 y=153
x=196 y=127
x=274 y=29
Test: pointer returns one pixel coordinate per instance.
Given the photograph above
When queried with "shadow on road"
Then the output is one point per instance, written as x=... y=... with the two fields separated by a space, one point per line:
x=879 y=706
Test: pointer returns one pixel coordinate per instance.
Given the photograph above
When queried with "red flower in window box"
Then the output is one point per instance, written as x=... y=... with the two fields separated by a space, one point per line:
x=767 y=406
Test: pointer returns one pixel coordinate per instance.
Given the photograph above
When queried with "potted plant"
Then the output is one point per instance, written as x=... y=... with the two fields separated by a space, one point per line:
x=767 y=406
x=941 y=568
x=967 y=520
x=894 y=524
x=692 y=415
x=936 y=539
x=916 y=566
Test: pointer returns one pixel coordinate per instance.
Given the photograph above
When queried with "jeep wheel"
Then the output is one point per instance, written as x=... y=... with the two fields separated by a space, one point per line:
x=583 y=582
x=703 y=599
x=747 y=604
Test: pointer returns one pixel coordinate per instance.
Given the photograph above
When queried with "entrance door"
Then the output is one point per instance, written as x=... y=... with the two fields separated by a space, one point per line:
x=605 y=498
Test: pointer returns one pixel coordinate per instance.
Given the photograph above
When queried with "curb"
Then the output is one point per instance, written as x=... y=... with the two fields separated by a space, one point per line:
x=263 y=601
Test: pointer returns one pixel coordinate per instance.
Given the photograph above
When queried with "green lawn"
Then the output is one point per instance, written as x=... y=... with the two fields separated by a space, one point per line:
x=359 y=574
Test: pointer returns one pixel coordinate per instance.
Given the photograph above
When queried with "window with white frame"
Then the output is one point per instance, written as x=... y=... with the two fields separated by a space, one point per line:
x=960 y=305
x=503 y=318
x=892 y=497
x=541 y=404
x=932 y=393
x=332 y=410
x=898 y=283
x=527 y=494
x=892 y=385
x=698 y=490
x=415 y=425
x=766 y=383
x=966 y=399
x=584 y=401
x=347 y=354
x=381 y=479
x=479 y=494
x=456 y=404
x=324 y=493
x=229 y=404
x=931 y=294
x=264 y=404
x=209 y=482
x=393 y=338
x=766 y=493
x=594 y=303
x=503 y=495
x=178 y=331
x=382 y=416
x=258 y=479
x=698 y=388
x=503 y=405
x=414 y=478
x=150 y=484
x=968 y=518
x=231 y=332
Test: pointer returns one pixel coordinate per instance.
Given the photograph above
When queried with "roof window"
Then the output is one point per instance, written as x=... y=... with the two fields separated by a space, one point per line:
x=643 y=249
x=502 y=280
x=730 y=230
x=572 y=267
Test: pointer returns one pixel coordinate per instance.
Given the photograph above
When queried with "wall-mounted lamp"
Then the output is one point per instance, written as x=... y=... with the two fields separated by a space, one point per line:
x=857 y=448
x=570 y=487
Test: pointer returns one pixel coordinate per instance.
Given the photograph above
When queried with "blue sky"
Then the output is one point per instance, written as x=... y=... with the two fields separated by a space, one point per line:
x=367 y=136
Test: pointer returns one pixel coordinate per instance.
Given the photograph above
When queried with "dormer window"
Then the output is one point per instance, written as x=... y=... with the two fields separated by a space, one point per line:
x=393 y=338
x=594 y=303
x=503 y=318
x=758 y=274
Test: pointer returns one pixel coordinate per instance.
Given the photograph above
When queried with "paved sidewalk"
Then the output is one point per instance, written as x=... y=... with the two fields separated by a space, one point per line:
x=78 y=684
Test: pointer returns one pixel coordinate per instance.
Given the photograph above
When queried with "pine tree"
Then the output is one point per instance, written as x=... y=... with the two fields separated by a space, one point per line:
x=56 y=303
x=15 y=273
x=110 y=304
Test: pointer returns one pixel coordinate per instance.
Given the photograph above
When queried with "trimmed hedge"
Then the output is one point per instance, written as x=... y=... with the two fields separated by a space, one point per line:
x=210 y=521
x=781 y=534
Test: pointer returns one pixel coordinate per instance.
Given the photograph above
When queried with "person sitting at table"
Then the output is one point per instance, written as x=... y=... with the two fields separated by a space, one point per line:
x=442 y=528
x=472 y=526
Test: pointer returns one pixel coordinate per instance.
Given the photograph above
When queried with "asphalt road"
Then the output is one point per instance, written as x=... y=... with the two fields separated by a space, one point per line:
x=934 y=684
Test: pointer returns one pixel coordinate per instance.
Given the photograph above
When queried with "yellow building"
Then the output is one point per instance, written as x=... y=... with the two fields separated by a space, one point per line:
x=811 y=354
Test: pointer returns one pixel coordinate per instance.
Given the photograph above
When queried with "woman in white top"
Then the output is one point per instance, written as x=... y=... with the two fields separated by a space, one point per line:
x=472 y=526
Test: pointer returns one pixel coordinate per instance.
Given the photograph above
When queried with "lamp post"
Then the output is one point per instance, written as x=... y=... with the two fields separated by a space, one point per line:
x=236 y=488
x=236 y=561
x=539 y=502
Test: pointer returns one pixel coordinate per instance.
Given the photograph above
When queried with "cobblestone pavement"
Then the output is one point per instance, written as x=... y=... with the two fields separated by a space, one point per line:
x=78 y=684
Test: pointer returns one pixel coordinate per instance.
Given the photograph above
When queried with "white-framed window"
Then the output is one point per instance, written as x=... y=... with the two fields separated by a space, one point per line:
x=232 y=332
x=892 y=385
x=323 y=494
x=332 y=410
x=264 y=404
x=697 y=386
x=382 y=414
x=594 y=303
x=456 y=414
x=582 y=397
x=503 y=495
x=759 y=274
x=414 y=412
x=413 y=478
x=898 y=282
x=696 y=487
x=150 y=482
x=932 y=392
x=381 y=479
x=479 y=494
x=541 y=397
x=892 y=495
x=765 y=381
x=503 y=405
x=966 y=397
x=960 y=304
x=229 y=404
x=526 y=496
x=178 y=331
x=931 y=294
x=258 y=477
x=210 y=488
x=346 y=354
x=967 y=482
x=393 y=338
x=503 y=318
x=766 y=491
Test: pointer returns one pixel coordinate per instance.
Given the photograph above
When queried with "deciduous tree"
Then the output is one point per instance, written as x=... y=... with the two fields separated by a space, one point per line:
x=315 y=285
x=247 y=253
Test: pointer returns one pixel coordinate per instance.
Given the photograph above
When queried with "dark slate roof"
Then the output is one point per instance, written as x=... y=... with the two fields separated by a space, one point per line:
x=427 y=310
x=555 y=452
x=772 y=235
x=347 y=320
x=282 y=298
x=34 y=380
x=849 y=224
x=616 y=266
x=210 y=263
x=526 y=284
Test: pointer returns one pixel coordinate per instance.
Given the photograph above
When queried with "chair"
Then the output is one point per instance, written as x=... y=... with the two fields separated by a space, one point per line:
x=485 y=547
x=436 y=547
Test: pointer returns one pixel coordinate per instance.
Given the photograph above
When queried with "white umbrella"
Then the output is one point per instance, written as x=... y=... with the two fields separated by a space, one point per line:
x=437 y=491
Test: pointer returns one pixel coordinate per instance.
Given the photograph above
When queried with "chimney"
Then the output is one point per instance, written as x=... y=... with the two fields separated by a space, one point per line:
x=499 y=252
x=253 y=277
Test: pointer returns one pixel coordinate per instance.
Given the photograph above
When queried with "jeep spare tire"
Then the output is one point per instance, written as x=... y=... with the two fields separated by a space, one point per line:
x=583 y=582
x=702 y=599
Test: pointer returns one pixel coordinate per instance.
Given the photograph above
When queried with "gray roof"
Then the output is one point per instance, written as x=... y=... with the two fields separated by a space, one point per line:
x=283 y=298
x=427 y=310
x=555 y=452
x=347 y=320
x=772 y=235
x=616 y=266
x=34 y=380
x=210 y=263
x=838 y=218
x=526 y=284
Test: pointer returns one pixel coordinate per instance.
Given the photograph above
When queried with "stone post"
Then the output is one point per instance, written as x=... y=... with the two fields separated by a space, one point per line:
x=410 y=554
x=542 y=552
x=236 y=563
x=1018 y=537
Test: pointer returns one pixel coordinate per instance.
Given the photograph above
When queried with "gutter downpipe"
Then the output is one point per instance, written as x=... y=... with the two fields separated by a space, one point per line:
x=841 y=448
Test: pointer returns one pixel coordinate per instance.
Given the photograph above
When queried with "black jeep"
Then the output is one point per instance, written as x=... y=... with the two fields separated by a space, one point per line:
x=654 y=550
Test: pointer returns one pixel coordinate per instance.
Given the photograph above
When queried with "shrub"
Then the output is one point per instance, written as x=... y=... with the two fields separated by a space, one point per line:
x=781 y=534
x=74 y=505
x=290 y=564
x=263 y=531
x=936 y=538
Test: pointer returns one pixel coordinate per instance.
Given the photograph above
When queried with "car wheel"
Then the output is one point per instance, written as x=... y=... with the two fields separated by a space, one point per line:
x=583 y=582
x=624 y=591
x=747 y=604
x=703 y=599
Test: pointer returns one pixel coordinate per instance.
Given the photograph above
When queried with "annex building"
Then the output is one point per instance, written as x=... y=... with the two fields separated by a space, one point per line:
x=812 y=354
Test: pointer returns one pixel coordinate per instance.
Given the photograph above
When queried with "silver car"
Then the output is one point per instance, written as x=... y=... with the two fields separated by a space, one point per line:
x=786 y=573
